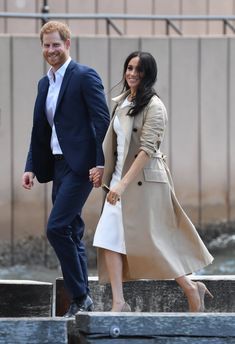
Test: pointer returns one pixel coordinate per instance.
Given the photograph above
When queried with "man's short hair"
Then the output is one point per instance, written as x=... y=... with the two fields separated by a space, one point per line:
x=53 y=26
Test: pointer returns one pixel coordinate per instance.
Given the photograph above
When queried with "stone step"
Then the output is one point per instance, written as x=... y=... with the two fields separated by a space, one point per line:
x=152 y=328
x=19 y=298
x=34 y=331
x=156 y=296
x=120 y=328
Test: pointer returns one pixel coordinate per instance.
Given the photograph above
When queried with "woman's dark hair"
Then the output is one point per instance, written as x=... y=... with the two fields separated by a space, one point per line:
x=145 y=90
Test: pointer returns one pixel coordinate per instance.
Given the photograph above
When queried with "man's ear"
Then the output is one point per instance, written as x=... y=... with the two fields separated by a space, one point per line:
x=68 y=43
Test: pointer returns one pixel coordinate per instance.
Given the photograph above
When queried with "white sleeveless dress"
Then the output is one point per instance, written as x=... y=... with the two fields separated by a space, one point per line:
x=110 y=232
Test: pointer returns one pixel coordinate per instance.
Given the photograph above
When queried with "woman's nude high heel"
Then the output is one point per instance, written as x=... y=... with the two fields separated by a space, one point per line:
x=126 y=308
x=202 y=291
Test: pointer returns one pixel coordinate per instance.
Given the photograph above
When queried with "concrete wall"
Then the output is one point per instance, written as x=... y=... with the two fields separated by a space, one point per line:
x=196 y=81
x=130 y=27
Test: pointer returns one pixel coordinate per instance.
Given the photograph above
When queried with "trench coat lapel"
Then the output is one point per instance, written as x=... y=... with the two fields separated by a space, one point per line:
x=126 y=122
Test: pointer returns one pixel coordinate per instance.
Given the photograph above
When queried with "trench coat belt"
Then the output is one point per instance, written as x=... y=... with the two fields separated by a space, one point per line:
x=160 y=155
x=163 y=157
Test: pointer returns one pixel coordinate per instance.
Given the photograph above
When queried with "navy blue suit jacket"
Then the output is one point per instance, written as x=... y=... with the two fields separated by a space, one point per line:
x=81 y=120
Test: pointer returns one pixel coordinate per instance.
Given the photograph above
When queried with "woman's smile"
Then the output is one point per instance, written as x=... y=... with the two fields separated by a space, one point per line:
x=133 y=75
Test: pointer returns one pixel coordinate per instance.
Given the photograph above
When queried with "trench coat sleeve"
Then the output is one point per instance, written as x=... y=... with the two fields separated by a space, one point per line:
x=155 y=119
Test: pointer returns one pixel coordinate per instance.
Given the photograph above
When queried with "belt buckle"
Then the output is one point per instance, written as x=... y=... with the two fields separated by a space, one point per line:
x=58 y=156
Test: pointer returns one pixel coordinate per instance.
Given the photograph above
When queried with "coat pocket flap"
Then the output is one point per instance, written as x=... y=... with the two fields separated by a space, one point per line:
x=158 y=176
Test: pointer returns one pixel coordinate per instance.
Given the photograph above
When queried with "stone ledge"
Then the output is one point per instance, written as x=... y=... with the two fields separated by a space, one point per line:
x=34 y=331
x=164 y=328
x=19 y=298
x=156 y=296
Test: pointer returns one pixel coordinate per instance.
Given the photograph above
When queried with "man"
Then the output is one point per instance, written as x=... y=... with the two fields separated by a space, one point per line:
x=70 y=121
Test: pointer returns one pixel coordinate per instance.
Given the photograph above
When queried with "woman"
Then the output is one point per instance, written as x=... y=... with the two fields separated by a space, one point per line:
x=143 y=231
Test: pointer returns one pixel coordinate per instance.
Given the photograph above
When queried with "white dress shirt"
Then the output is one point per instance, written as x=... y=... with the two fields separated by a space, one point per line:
x=55 y=81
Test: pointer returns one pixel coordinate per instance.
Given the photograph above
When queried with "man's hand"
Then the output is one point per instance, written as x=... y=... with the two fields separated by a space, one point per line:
x=27 y=180
x=95 y=175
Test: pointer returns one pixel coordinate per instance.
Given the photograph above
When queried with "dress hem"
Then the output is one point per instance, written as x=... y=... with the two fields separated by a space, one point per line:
x=109 y=249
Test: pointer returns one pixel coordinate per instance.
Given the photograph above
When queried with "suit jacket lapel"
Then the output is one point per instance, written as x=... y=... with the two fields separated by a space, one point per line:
x=65 y=81
x=41 y=97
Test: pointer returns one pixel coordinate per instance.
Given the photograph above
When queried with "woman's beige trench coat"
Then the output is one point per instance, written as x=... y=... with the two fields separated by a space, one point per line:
x=161 y=242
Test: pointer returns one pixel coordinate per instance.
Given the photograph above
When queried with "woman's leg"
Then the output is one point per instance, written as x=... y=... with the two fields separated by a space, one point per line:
x=190 y=289
x=114 y=265
x=195 y=293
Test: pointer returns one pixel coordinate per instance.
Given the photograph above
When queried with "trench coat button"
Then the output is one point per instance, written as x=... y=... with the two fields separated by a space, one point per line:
x=115 y=153
x=139 y=183
x=135 y=129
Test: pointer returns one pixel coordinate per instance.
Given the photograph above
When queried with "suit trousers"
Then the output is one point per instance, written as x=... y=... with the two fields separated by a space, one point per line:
x=65 y=227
